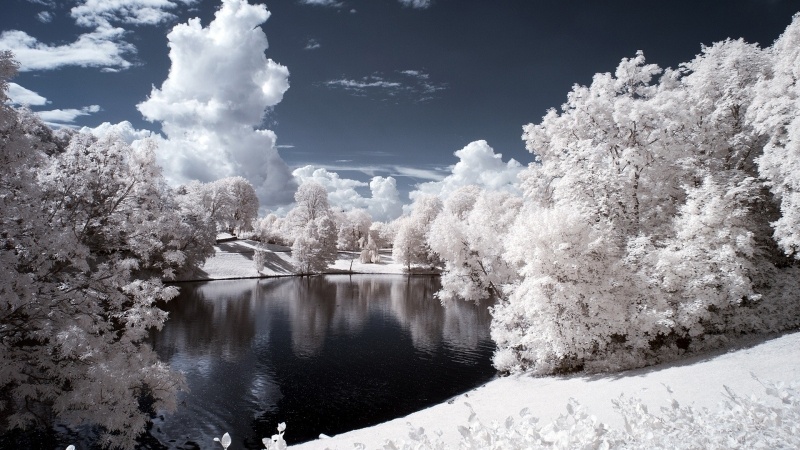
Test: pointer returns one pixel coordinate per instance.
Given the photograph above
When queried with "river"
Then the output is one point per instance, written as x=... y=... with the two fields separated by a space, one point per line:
x=324 y=354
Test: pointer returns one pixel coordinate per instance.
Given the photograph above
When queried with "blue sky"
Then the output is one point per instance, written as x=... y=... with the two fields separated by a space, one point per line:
x=363 y=88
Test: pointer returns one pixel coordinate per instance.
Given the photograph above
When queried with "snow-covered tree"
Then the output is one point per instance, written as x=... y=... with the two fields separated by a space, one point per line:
x=87 y=233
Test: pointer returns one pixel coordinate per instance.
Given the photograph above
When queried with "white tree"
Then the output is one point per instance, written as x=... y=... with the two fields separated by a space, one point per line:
x=777 y=114
x=314 y=249
x=313 y=229
x=353 y=232
x=230 y=202
x=410 y=246
x=645 y=230
x=88 y=233
x=469 y=236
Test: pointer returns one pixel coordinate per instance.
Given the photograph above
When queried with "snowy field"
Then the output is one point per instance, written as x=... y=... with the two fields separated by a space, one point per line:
x=697 y=381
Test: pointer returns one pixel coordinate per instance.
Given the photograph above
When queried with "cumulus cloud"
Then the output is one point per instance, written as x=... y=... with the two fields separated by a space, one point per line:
x=92 y=13
x=99 y=48
x=21 y=96
x=124 y=130
x=419 y=4
x=215 y=97
x=65 y=117
x=478 y=165
x=412 y=84
x=383 y=204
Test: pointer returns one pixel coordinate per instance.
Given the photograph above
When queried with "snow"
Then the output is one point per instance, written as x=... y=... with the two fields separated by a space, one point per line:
x=697 y=381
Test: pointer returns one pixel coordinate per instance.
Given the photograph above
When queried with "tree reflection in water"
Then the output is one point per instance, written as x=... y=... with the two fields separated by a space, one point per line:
x=325 y=354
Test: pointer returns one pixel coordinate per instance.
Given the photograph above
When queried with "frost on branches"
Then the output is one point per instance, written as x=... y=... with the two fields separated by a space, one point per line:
x=88 y=231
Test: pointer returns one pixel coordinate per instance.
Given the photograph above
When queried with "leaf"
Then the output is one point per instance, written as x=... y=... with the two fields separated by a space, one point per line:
x=226 y=440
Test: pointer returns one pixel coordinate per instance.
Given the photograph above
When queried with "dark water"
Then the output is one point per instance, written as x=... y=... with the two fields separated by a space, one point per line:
x=324 y=354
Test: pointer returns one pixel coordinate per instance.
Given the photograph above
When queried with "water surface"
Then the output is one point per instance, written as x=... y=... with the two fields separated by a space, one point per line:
x=324 y=354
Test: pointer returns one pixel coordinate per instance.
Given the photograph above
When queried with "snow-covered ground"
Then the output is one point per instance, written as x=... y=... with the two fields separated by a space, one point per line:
x=696 y=381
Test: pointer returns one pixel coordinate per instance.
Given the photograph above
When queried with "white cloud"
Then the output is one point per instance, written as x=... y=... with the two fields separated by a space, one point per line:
x=330 y=3
x=478 y=165
x=312 y=44
x=124 y=130
x=99 y=48
x=412 y=84
x=391 y=170
x=45 y=17
x=219 y=86
x=65 y=117
x=420 y=4
x=21 y=96
x=383 y=204
x=92 y=13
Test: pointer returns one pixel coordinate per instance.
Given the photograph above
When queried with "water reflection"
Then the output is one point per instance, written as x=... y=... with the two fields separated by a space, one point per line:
x=326 y=354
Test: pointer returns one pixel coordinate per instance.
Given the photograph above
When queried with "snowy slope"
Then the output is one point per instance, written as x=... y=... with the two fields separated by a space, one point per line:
x=696 y=381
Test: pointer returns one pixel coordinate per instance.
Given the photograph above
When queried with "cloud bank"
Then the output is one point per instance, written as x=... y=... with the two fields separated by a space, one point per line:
x=478 y=165
x=215 y=97
x=383 y=204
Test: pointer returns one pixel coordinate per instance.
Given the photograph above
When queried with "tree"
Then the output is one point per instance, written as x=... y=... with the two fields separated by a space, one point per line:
x=313 y=228
x=469 y=235
x=776 y=113
x=88 y=233
x=314 y=249
x=230 y=202
x=410 y=245
x=353 y=232
x=646 y=230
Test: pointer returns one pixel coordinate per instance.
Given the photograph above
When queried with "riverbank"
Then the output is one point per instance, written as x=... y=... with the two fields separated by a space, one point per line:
x=697 y=381
x=233 y=259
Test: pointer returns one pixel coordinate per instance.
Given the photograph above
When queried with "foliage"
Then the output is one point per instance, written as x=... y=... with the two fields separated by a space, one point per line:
x=647 y=221
x=89 y=230
x=229 y=203
x=469 y=236
x=410 y=245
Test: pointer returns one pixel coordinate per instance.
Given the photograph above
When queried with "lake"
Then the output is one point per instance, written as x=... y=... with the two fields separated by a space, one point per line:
x=324 y=354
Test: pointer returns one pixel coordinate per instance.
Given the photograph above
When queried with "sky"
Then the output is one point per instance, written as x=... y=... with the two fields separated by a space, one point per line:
x=375 y=99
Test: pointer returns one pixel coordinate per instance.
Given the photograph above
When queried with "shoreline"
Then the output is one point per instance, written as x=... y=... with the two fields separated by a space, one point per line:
x=698 y=380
